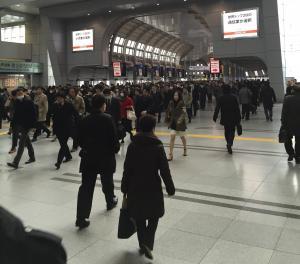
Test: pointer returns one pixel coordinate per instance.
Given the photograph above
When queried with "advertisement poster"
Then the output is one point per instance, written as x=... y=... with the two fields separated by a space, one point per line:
x=214 y=66
x=117 y=69
x=83 y=40
x=241 y=24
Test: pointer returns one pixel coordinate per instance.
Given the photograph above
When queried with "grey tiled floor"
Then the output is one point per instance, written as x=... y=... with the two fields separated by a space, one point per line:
x=218 y=217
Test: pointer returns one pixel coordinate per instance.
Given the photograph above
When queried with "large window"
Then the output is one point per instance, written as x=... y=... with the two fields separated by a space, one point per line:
x=288 y=12
x=13 y=34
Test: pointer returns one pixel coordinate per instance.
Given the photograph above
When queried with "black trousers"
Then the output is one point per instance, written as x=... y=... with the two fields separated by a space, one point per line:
x=268 y=112
x=290 y=150
x=229 y=134
x=86 y=192
x=64 y=151
x=75 y=137
x=195 y=107
x=146 y=232
x=23 y=142
x=246 y=111
x=189 y=111
x=203 y=102
x=14 y=136
x=40 y=127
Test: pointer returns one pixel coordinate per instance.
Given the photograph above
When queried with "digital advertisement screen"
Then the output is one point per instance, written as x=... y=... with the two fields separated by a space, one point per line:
x=117 y=69
x=83 y=40
x=241 y=24
x=214 y=66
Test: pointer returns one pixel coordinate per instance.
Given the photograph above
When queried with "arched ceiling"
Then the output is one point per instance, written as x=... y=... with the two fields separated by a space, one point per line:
x=139 y=31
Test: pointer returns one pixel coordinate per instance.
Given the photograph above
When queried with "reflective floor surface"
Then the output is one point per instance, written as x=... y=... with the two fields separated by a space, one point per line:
x=243 y=208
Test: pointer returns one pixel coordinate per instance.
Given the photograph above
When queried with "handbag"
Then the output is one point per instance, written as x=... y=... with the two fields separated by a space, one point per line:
x=282 y=137
x=131 y=115
x=127 y=225
x=239 y=129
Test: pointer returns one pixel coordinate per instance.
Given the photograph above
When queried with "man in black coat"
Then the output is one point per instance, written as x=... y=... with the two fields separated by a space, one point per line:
x=268 y=98
x=113 y=106
x=230 y=115
x=290 y=120
x=2 y=108
x=145 y=167
x=99 y=143
x=64 y=116
x=24 y=120
x=144 y=105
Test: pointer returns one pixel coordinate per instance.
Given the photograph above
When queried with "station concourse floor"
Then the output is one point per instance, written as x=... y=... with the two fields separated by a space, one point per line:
x=239 y=209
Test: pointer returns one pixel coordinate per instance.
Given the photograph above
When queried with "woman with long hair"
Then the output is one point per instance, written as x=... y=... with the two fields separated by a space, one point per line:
x=176 y=117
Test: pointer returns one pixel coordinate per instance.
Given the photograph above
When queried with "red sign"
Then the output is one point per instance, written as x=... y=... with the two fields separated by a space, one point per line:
x=117 y=69
x=214 y=66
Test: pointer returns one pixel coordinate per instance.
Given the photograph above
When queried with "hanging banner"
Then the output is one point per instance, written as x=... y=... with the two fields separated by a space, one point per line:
x=214 y=66
x=241 y=24
x=117 y=69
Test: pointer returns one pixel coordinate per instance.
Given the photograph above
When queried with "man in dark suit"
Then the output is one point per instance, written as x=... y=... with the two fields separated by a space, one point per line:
x=268 y=98
x=24 y=120
x=99 y=143
x=230 y=115
x=113 y=106
x=290 y=120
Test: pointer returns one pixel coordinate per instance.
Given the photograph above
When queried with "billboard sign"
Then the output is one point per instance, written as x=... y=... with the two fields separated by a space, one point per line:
x=214 y=66
x=83 y=40
x=117 y=69
x=241 y=24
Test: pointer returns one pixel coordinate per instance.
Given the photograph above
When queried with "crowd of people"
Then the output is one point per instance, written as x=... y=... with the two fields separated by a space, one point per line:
x=98 y=118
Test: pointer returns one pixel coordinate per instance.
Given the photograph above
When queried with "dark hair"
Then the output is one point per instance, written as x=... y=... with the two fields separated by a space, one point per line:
x=98 y=101
x=106 y=91
x=179 y=95
x=147 y=123
x=61 y=94
x=226 y=89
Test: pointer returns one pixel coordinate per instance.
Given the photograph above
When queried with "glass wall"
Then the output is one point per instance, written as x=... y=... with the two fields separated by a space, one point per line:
x=288 y=12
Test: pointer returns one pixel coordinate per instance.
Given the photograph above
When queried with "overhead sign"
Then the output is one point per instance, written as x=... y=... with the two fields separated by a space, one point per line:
x=214 y=66
x=20 y=67
x=241 y=24
x=117 y=69
x=199 y=68
x=83 y=40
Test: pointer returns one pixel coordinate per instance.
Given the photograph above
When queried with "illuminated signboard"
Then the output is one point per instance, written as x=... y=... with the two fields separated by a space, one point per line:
x=117 y=69
x=214 y=66
x=83 y=40
x=241 y=24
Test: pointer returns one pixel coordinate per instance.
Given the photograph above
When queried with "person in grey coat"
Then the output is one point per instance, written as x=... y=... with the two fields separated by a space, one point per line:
x=245 y=97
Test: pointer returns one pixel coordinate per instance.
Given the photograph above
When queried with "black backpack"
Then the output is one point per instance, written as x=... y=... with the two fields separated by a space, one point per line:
x=19 y=245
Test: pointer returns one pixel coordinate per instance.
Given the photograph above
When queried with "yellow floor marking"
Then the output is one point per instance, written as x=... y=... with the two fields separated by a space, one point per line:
x=270 y=140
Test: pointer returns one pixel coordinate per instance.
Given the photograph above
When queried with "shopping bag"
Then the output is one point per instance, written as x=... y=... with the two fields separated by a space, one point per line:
x=131 y=115
x=239 y=129
x=127 y=225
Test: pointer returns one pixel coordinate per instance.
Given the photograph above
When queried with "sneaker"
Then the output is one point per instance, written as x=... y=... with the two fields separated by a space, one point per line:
x=291 y=158
x=114 y=203
x=82 y=224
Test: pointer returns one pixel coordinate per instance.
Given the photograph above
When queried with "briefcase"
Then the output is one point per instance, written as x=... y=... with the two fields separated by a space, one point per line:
x=239 y=129
x=127 y=225
x=282 y=137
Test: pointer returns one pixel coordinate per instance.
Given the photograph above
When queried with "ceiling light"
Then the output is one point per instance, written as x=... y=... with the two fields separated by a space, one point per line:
x=109 y=11
x=158 y=4
x=18 y=5
x=88 y=14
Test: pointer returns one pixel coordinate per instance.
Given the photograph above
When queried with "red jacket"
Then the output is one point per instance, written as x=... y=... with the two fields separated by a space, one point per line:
x=126 y=104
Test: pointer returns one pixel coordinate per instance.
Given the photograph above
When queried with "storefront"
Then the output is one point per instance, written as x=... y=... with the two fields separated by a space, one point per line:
x=16 y=73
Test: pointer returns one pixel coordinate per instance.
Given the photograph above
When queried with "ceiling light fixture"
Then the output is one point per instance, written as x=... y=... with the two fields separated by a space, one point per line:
x=88 y=14
x=109 y=11
x=158 y=4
